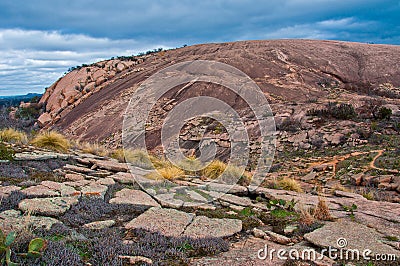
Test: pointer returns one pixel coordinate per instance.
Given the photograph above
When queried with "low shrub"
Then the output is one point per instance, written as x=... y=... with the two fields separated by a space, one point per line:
x=91 y=209
x=140 y=158
x=94 y=148
x=383 y=113
x=13 y=136
x=27 y=113
x=290 y=124
x=214 y=169
x=6 y=153
x=190 y=165
x=341 y=111
x=290 y=184
x=321 y=212
x=170 y=173
x=235 y=175
x=51 y=140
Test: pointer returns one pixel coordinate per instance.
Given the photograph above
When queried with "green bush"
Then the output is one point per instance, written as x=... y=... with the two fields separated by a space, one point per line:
x=383 y=113
x=341 y=111
x=27 y=113
x=6 y=153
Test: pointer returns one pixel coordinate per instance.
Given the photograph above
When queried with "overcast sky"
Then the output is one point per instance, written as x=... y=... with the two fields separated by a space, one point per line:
x=41 y=39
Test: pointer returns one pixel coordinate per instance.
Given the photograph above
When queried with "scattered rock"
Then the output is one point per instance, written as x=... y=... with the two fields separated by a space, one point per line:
x=47 y=206
x=106 y=181
x=111 y=166
x=259 y=233
x=204 y=227
x=94 y=190
x=321 y=167
x=350 y=235
x=136 y=259
x=44 y=119
x=136 y=198
x=74 y=177
x=168 y=222
x=64 y=190
x=124 y=178
x=277 y=238
x=167 y=200
x=5 y=191
x=13 y=220
x=33 y=156
x=357 y=179
x=99 y=224
x=39 y=191
x=232 y=189
x=78 y=169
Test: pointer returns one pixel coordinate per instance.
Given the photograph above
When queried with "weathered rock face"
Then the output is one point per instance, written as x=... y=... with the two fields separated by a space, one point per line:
x=78 y=85
x=89 y=103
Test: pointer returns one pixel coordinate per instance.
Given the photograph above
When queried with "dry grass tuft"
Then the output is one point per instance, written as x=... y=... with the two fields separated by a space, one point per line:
x=51 y=140
x=321 y=212
x=214 y=169
x=13 y=136
x=306 y=218
x=339 y=187
x=370 y=195
x=139 y=158
x=190 y=164
x=290 y=184
x=169 y=172
x=119 y=154
x=233 y=174
x=94 y=148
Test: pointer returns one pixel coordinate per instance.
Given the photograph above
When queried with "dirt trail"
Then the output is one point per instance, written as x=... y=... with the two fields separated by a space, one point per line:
x=372 y=164
x=336 y=160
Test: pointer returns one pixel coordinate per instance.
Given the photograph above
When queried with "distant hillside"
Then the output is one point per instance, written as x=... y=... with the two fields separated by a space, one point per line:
x=88 y=103
x=17 y=99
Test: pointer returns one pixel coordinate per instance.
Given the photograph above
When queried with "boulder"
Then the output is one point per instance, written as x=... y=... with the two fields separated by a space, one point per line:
x=135 y=198
x=94 y=190
x=168 y=222
x=40 y=191
x=5 y=191
x=44 y=119
x=56 y=206
x=14 y=220
x=204 y=227
x=350 y=236
x=99 y=225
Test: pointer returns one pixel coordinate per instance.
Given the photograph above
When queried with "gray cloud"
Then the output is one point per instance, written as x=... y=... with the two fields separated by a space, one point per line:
x=31 y=60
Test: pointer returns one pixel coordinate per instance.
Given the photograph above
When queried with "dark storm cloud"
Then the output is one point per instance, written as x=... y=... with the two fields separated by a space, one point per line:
x=40 y=39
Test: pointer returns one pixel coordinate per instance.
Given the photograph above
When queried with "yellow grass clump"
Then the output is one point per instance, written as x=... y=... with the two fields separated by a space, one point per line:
x=94 y=148
x=214 y=169
x=321 y=212
x=290 y=184
x=139 y=158
x=190 y=164
x=13 y=136
x=51 y=140
x=169 y=172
